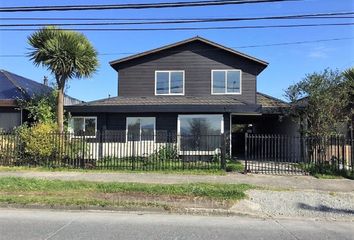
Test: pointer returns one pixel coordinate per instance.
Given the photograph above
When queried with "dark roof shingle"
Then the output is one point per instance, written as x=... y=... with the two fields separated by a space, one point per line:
x=14 y=87
x=164 y=100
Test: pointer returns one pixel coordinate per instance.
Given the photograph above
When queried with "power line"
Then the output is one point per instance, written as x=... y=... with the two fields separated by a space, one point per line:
x=206 y=20
x=146 y=19
x=189 y=28
x=315 y=15
x=236 y=47
x=136 y=5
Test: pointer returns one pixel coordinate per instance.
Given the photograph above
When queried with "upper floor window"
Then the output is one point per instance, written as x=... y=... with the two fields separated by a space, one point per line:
x=226 y=81
x=169 y=83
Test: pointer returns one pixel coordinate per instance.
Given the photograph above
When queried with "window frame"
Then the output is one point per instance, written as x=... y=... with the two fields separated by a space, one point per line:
x=169 y=83
x=225 y=92
x=192 y=152
x=84 y=117
x=127 y=133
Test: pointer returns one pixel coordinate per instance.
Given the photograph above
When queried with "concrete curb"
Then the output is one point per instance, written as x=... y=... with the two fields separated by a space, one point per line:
x=179 y=211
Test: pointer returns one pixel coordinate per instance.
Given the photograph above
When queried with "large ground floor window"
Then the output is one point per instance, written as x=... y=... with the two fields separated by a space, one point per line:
x=200 y=132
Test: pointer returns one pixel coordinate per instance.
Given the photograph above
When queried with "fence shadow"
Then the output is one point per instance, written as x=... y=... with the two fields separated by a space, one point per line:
x=324 y=208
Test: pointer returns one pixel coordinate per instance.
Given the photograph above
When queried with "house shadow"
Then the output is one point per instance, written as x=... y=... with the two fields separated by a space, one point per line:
x=325 y=209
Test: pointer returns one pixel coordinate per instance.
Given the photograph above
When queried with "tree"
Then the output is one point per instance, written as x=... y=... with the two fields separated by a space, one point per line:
x=322 y=100
x=67 y=54
x=41 y=108
x=349 y=75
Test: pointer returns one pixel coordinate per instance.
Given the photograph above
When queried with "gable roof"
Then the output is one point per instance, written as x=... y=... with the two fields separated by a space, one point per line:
x=13 y=87
x=197 y=38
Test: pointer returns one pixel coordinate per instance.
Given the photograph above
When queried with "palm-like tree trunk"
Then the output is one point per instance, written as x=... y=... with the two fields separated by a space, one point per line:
x=60 y=109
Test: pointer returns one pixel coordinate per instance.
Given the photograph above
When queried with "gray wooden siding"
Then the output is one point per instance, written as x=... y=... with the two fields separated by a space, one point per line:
x=137 y=77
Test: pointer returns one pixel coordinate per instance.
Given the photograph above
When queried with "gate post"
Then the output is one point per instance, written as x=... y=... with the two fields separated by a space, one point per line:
x=246 y=154
x=223 y=151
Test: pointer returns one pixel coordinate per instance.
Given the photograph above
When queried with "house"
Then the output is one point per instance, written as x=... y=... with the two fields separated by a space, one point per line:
x=192 y=87
x=14 y=87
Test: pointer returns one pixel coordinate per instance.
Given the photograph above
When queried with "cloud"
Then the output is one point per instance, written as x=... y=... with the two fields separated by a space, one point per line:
x=320 y=52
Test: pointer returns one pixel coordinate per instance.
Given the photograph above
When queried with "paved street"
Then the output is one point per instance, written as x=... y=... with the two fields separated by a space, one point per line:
x=44 y=224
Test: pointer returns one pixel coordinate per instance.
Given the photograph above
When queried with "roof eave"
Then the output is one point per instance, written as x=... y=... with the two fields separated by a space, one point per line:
x=183 y=108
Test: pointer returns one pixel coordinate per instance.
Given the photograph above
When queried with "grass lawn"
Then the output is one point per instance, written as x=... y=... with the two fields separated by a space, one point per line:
x=85 y=194
x=326 y=171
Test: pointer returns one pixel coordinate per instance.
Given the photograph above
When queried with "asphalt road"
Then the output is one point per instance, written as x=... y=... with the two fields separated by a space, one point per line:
x=44 y=224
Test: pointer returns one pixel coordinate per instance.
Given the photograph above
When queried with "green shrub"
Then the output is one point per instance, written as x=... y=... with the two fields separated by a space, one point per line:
x=38 y=140
x=42 y=144
x=327 y=169
x=234 y=167
x=166 y=153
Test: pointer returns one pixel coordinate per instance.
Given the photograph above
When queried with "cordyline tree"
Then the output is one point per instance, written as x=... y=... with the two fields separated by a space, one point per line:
x=323 y=100
x=67 y=54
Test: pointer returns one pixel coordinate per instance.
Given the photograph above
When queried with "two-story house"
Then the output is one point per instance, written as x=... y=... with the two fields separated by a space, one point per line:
x=192 y=86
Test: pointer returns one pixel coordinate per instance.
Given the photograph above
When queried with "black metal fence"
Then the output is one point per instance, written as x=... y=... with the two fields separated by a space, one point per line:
x=114 y=150
x=281 y=154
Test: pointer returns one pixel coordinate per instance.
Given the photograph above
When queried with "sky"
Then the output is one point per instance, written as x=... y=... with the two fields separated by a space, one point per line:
x=288 y=64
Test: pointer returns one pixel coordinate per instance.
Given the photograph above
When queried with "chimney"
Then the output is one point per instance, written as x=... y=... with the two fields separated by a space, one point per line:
x=45 y=80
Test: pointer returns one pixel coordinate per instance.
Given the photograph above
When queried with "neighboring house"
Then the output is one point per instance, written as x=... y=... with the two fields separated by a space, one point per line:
x=192 y=86
x=14 y=87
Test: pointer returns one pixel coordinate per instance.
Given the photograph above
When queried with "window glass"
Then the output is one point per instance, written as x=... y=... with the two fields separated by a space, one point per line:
x=133 y=129
x=169 y=82
x=8 y=121
x=176 y=82
x=162 y=82
x=78 y=126
x=142 y=128
x=233 y=81
x=90 y=126
x=147 y=128
x=83 y=126
x=200 y=132
x=218 y=81
x=226 y=81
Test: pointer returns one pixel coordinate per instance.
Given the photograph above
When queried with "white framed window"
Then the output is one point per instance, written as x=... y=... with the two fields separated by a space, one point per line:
x=141 y=128
x=83 y=126
x=200 y=132
x=226 y=81
x=169 y=82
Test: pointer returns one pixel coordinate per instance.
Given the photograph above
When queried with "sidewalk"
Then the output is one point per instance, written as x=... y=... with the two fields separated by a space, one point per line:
x=284 y=182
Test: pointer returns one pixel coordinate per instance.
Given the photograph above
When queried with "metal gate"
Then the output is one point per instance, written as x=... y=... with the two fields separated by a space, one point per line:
x=284 y=154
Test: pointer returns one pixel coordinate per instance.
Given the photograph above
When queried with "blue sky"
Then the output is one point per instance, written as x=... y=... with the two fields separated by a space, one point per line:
x=287 y=64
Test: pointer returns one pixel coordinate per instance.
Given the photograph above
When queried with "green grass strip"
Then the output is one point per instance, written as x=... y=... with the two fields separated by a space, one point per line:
x=206 y=190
